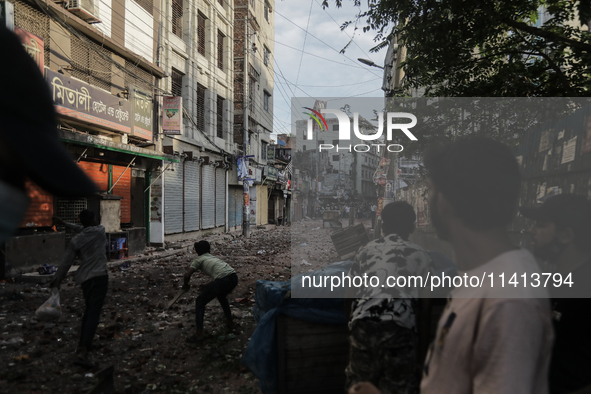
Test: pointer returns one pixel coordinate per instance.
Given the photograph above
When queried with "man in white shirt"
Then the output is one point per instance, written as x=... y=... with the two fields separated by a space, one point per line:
x=490 y=339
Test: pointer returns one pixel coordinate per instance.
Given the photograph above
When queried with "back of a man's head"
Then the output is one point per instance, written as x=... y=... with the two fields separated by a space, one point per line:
x=202 y=247
x=86 y=218
x=480 y=179
x=398 y=218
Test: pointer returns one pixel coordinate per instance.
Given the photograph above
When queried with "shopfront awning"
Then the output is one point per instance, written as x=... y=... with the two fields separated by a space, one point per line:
x=70 y=137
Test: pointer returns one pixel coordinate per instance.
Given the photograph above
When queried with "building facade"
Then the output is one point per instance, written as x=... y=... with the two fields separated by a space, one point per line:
x=254 y=36
x=196 y=53
x=101 y=62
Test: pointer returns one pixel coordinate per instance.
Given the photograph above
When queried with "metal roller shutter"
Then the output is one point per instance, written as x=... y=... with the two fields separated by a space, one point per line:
x=123 y=189
x=232 y=207
x=173 y=199
x=220 y=197
x=191 y=196
x=208 y=197
x=239 y=206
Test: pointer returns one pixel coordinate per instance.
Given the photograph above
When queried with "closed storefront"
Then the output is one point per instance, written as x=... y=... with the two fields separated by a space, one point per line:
x=220 y=197
x=208 y=204
x=192 y=196
x=173 y=199
x=235 y=206
x=105 y=176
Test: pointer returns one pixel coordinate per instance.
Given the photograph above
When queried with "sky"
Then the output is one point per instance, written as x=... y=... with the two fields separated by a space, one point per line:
x=308 y=40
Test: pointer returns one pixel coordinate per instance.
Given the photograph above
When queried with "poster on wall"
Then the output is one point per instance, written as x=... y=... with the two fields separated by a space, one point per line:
x=172 y=116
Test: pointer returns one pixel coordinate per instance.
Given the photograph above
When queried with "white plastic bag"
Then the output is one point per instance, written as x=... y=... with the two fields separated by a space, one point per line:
x=51 y=309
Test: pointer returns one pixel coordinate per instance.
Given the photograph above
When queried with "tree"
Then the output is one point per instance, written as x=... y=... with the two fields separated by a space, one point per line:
x=487 y=48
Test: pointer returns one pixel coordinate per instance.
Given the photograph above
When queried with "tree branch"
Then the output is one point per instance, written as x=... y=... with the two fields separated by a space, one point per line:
x=536 y=31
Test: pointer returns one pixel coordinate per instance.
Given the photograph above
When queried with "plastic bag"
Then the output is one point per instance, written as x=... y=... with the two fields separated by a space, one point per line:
x=51 y=309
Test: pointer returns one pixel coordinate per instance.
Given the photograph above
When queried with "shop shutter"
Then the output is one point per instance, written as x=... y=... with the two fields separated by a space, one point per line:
x=123 y=189
x=98 y=172
x=173 y=199
x=191 y=196
x=232 y=207
x=208 y=197
x=220 y=197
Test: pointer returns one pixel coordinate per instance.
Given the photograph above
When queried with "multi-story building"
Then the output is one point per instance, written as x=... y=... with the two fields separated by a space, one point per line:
x=347 y=174
x=101 y=63
x=254 y=35
x=196 y=51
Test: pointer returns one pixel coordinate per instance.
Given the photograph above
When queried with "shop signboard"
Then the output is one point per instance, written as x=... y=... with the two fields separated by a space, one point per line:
x=172 y=115
x=33 y=45
x=270 y=153
x=141 y=109
x=76 y=99
x=272 y=174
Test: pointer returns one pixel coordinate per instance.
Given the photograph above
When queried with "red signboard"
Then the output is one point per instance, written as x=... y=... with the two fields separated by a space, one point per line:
x=33 y=45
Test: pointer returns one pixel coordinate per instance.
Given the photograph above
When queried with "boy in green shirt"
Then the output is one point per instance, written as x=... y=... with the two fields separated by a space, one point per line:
x=224 y=281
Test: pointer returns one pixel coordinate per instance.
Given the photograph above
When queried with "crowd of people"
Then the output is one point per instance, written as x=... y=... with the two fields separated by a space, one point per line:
x=490 y=339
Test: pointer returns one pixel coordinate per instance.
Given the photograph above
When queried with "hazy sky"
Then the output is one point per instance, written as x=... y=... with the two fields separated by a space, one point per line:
x=311 y=65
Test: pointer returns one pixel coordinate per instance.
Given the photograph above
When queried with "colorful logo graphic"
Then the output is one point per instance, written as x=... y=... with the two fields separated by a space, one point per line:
x=316 y=118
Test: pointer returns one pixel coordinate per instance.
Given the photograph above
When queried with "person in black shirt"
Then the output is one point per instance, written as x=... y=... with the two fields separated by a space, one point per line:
x=561 y=233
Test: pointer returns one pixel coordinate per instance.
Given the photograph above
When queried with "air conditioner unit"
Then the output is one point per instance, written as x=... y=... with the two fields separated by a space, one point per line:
x=87 y=10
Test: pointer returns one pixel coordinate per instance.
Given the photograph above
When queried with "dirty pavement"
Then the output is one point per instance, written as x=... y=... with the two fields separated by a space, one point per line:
x=144 y=342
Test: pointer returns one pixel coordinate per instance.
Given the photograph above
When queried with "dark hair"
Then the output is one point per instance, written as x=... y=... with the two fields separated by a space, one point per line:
x=398 y=218
x=86 y=218
x=480 y=178
x=202 y=247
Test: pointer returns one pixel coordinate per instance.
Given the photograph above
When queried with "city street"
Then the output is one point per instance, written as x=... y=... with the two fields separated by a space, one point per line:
x=144 y=342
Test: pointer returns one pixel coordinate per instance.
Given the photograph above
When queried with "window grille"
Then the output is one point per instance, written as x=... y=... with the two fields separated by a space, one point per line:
x=177 y=17
x=177 y=83
x=220 y=117
x=90 y=63
x=201 y=107
x=201 y=33
x=220 y=50
x=252 y=80
x=266 y=56
x=264 y=150
x=36 y=22
x=147 y=5
x=266 y=98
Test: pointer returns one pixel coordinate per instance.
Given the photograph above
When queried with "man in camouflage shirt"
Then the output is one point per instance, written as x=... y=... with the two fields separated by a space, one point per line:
x=382 y=328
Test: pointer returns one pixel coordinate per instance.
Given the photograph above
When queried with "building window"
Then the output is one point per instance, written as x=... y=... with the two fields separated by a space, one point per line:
x=264 y=150
x=177 y=17
x=201 y=33
x=267 y=9
x=177 y=83
x=266 y=100
x=220 y=50
x=304 y=147
x=335 y=142
x=201 y=107
x=252 y=4
x=335 y=127
x=266 y=56
x=220 y=117
x=251 y=88
x=321 y=141
x=147 y=5
x=335 y=158
x=221 y=2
